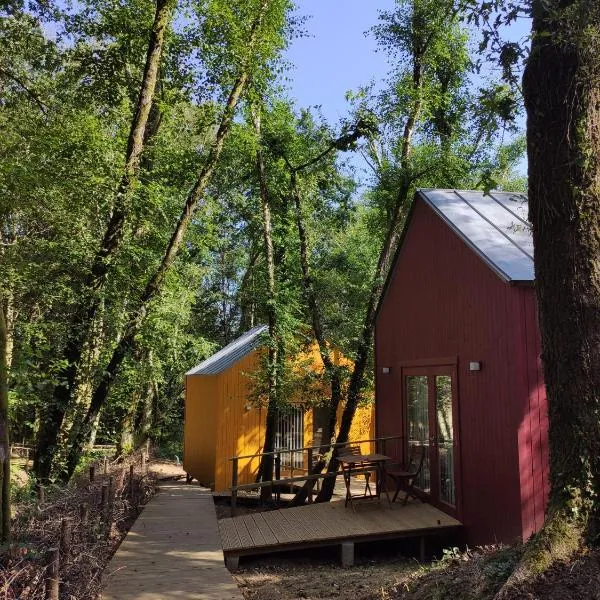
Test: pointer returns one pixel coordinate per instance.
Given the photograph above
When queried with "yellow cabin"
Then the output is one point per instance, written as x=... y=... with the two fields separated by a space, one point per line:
x=221 y=421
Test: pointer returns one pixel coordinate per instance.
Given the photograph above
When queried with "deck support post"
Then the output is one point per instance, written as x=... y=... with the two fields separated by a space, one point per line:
x=422 y=548
x=232 y=562
x=234 y=482
x=310 y=483
x=347 y=554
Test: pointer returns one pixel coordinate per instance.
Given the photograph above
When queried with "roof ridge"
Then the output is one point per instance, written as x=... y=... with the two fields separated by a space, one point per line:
x=233 y=351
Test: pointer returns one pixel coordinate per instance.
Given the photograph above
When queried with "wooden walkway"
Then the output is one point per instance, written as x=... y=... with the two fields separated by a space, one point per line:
x=330 y=524
x=172 y=551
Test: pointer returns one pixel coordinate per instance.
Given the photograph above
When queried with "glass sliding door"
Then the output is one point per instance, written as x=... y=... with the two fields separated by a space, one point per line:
x=417 y=397
x=430 y=409
x=445 y=439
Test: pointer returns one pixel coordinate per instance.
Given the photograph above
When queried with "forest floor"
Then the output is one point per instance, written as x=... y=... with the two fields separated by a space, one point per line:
x=96 y=528
x=385 y=574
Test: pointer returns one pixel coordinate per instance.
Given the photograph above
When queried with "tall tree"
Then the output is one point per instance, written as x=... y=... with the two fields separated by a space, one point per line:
x=113 y=236
x=561 y=87
x=257 y=40
x=266 y=465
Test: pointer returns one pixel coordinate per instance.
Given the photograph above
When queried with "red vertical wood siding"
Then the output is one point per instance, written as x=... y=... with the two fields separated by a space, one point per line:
x=444 y=301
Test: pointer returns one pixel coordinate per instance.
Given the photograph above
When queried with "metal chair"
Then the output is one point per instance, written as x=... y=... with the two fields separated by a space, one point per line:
x=405 y=478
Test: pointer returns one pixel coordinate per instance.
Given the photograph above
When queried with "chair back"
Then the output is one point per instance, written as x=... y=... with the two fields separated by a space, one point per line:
x=349 y=450
x=416 y=459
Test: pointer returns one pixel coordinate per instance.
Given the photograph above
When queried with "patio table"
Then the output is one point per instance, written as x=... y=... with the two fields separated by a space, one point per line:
x=362 y=464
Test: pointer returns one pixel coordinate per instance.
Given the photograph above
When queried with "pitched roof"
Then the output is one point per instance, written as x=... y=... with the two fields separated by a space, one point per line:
x=493 y=225
x=230 y=354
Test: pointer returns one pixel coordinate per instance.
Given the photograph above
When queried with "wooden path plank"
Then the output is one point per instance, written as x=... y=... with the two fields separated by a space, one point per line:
x=183 y=560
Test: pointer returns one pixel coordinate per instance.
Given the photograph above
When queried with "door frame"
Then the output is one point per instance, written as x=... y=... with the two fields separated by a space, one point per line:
x=448 y=366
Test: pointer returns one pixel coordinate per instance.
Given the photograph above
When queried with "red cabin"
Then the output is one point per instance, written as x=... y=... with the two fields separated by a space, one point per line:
x=458 y=366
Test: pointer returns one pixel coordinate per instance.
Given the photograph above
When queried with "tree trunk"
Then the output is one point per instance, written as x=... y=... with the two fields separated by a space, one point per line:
x=113 y=236
x=247 y=292
x=266 y=464
x=4 y=434
x=154 y=285
x=362 y=353
x=331 y=369
x=562 y=96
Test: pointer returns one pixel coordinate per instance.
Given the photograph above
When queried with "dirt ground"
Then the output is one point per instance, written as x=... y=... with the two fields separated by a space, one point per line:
x=320 y=577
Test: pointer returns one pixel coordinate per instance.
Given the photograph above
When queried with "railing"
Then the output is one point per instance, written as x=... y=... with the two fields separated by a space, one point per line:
x=381 y=445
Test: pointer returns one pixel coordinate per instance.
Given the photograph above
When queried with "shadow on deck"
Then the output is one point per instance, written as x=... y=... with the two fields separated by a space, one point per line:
x=330 y=524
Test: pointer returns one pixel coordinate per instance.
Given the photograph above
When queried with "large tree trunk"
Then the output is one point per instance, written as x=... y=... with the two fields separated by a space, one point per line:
x=562 y=96
x=561 y=87
x=154 y=285
x=4 y=435
x=113 y=236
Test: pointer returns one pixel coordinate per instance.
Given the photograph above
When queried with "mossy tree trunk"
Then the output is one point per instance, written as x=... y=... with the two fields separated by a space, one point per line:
x=561 y=86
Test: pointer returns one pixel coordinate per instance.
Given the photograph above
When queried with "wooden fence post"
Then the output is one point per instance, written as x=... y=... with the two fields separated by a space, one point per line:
x=92 y=473
x=234 y=482
x=110 y=504
x=66 y=533
x=40 y=494
x=83 y=512
x=121 y=479
x=103 y=496
x=52 y=573
x=131 y=473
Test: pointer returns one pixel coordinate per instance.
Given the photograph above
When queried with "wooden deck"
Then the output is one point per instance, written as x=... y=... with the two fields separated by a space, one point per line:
x=330 y=524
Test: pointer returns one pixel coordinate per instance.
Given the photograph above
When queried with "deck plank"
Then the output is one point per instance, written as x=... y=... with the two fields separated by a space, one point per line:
x=229 y=535
x=254 y=530
x=243 y=533
x=269 y=536
x=332 y=523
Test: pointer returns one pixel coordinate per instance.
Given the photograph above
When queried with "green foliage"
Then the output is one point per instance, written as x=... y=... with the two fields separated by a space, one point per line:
x=70 y=78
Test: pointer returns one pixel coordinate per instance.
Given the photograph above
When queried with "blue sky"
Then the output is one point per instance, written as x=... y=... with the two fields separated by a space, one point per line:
x=336 y=56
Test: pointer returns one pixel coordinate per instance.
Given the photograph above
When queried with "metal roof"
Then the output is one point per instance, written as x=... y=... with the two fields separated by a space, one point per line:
x=230 y=354
x=494 y=225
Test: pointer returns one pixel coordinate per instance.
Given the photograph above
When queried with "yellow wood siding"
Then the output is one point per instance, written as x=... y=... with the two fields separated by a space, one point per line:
x=240 y=426
x=200 y=428
x=220 y=421
x=363 y=427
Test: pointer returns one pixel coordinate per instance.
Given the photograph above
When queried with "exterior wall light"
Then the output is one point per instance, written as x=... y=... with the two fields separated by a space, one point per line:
x=475 y=366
